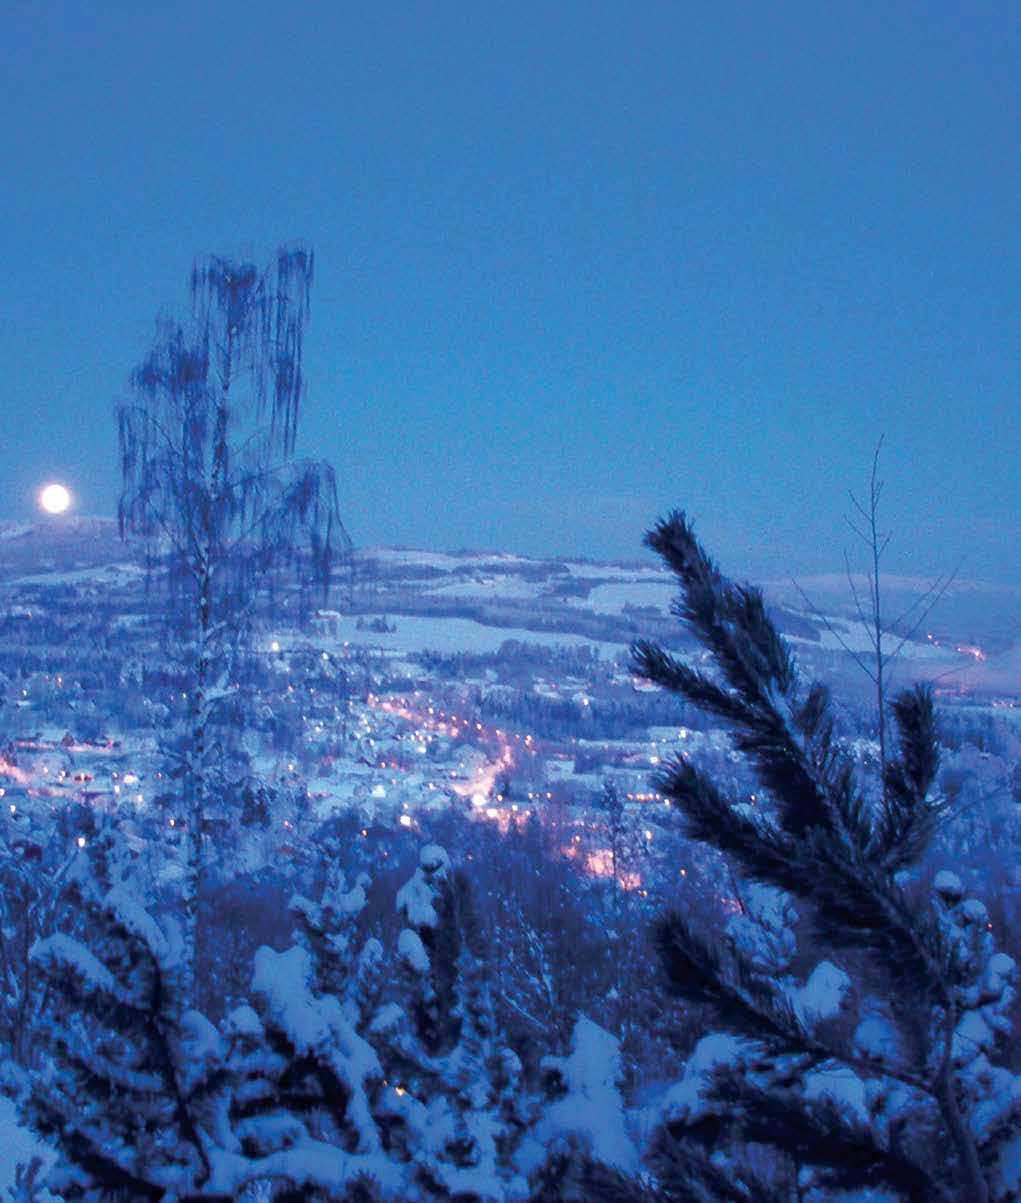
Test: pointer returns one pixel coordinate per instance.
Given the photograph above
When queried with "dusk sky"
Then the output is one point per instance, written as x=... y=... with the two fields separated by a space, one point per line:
x=576 y=263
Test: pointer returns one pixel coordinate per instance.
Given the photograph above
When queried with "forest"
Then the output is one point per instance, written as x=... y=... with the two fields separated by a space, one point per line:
x=772 y=962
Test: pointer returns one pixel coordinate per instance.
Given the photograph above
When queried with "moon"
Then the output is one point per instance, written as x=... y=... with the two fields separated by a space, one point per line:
x=54 y=498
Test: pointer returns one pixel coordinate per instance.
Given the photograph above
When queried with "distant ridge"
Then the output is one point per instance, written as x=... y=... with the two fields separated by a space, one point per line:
x=973 y=636
x=60 y=526
x=60 y=543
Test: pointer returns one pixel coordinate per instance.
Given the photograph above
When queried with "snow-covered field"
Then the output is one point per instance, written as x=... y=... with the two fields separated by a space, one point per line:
x=108 y=573
x=491 y=587
x=612 y=598
x=448 y=635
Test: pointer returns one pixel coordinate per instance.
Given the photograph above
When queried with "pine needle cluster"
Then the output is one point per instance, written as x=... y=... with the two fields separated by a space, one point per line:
x=841 y=846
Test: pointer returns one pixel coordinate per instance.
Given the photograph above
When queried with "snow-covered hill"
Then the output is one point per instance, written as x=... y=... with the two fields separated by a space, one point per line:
x=473 y=601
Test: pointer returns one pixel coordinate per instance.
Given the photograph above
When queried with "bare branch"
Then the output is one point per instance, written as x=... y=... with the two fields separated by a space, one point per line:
x=831 y=628
x=937 y=596
x=854 y=589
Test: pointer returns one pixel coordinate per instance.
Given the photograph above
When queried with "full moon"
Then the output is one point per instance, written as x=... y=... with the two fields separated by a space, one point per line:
x=54 y=499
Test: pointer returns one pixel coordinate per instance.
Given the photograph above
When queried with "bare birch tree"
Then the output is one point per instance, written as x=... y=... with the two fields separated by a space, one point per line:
x=212 y=484
x=886 y=638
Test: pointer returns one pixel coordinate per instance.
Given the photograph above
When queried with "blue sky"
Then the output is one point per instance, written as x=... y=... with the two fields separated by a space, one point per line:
x=576 y=263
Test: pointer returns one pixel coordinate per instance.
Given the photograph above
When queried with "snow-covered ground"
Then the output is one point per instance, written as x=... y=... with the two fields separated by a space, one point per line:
x=17 y=1146
x=593 y=570
x=491 y=587
x=612 y=598
x=415 y=633
x=104 y=574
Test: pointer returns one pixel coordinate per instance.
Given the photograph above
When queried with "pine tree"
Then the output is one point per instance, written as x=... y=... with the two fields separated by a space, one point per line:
x=34 y=868
x=134 y=1079
x=328 y=930
x=304 y=1107
x=911 y=1099
x=580 y=1142
x=626 y=863
x=146 y=1099
x=453 y=1104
